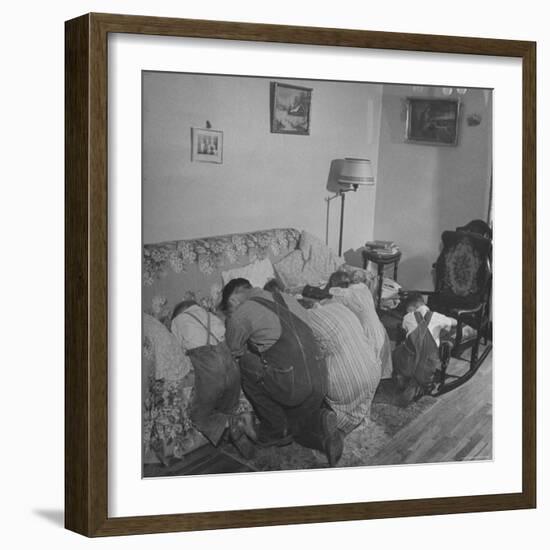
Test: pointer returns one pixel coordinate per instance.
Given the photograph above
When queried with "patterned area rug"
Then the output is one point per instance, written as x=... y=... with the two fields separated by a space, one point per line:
x=360 y=446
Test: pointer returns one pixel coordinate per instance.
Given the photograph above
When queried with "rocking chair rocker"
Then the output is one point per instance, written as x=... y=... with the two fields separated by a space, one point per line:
x=463 y=280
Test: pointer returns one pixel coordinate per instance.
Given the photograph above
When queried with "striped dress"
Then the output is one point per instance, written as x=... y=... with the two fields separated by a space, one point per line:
x=353 y=368
x=359 y=299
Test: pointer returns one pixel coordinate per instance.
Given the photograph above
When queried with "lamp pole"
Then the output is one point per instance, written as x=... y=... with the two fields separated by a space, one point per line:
x=343 y=195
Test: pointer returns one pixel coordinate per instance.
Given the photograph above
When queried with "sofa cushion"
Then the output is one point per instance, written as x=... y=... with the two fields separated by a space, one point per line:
x=311 y=263
x=290 y=270
x=192 y=269
x=163 y=351
x=318 y=256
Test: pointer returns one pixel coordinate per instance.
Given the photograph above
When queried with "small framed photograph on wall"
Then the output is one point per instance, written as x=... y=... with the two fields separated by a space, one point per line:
x=432 y=121
x=206 y=145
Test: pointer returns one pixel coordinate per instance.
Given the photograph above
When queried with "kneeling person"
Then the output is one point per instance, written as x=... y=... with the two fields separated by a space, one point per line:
x=353 y=368
x=282 y=371
x=416 y=359
x=217 y=387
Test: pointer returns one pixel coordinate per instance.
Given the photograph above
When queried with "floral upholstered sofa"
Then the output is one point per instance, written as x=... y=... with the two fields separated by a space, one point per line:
x=197 y=269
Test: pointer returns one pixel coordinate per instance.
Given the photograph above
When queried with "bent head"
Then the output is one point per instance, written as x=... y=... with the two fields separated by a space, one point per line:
x=339 y=279
x=273 y=286
x=182 y=306
x=234 y=293
x=413 y=301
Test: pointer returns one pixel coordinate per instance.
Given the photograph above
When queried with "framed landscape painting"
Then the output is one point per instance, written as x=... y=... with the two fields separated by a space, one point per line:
x=290 y=109
x=432 y=121
x=204 y=388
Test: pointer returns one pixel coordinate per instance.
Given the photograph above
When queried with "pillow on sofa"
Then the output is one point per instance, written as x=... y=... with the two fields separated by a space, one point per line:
x=163 y=352
x=311 y=263
x=320 y=260
x=290 y=270
x=258 y=273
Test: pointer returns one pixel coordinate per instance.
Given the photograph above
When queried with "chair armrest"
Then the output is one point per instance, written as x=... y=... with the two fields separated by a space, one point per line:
x=423 y=292
x=465 y=317
x=445 y=349
x=462 y=312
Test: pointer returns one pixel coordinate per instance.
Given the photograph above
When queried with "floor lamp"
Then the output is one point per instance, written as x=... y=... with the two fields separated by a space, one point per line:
x=350 y=173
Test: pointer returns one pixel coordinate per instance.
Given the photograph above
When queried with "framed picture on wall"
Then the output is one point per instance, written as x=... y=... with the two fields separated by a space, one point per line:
x=432 y=121
x=206 y=145
x=290 y=109
x=148 y=248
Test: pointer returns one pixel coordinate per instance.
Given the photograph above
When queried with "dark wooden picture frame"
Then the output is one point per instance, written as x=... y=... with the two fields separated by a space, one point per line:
x=299 y=121
x=86 y=280
x=432 y=121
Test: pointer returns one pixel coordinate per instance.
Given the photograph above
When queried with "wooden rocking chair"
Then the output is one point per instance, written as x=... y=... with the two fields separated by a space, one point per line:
x=463 y=279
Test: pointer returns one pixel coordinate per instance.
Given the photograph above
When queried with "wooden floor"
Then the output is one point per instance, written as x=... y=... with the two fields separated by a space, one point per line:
x=204 y=460
x=457 y=427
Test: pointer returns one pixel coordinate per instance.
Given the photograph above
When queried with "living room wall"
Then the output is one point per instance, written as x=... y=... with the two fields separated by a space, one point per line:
x=266 y=180
x=425 y=189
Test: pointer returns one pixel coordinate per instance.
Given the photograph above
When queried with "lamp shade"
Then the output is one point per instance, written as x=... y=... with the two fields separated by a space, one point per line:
x=354 y=171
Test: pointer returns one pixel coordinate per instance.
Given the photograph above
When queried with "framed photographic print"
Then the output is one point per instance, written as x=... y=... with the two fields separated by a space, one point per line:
x=203 y=391
x=206 y=145
x=432 y=120
x=290 y=109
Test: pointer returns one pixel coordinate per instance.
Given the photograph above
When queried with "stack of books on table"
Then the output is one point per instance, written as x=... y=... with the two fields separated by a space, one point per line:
x=382 y=248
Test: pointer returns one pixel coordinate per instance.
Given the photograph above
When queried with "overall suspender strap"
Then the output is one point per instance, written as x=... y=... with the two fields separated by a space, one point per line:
x=421 y=320
x=288 y=320
x=423 y=325
x=207 y=327
x=273 y=307
x=279 y=299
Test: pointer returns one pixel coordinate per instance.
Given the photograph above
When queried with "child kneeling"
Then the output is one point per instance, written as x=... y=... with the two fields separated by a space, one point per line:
x=217 y=384
x=416 y=359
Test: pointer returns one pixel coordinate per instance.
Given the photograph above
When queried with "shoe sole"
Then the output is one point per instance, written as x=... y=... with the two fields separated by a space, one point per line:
x=334 y=445
x=334 y=449
x=244 y=446
x=276 y=442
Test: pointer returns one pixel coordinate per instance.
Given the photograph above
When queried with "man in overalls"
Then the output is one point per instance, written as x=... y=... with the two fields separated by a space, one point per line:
x=282 y=371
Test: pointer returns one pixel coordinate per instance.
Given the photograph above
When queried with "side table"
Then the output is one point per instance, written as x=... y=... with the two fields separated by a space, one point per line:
x=381 y=261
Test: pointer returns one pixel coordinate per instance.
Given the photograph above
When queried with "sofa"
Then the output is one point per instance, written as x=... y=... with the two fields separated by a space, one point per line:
x=197 y=269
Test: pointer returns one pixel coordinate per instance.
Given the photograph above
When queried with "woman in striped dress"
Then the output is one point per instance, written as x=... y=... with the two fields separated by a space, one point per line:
x=358 y=298
x=353 y=368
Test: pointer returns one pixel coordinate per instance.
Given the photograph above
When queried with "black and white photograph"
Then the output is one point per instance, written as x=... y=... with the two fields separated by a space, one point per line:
x=291 y=262
x=321 y=302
